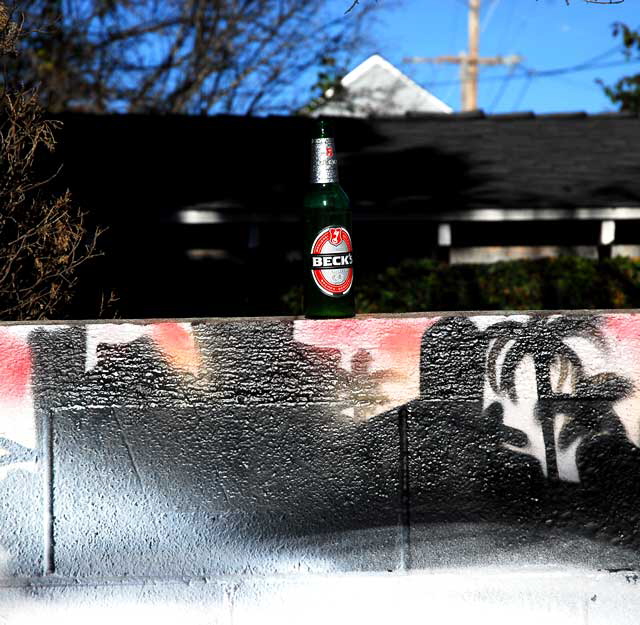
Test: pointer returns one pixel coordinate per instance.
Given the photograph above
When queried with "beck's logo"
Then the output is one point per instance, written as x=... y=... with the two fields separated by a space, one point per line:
x=332 y=261
x=329 y=152
x=335 y=236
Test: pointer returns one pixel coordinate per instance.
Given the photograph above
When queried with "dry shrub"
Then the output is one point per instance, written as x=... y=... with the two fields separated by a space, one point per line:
x=43 y=238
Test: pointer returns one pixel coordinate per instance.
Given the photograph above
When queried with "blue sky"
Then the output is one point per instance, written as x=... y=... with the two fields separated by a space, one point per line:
x=547 y=33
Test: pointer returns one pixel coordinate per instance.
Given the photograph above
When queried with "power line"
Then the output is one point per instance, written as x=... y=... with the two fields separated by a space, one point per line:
x=574 y=84
x=532 y=73
x=582 y=67
x=501 y=89
x=507 y=26
x=602 y=55
x=455 y=28
x=523 y=91
x=488 y=15
x=554 y=73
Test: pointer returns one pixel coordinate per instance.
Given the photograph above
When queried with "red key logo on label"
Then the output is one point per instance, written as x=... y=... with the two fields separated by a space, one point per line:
x=332 y=261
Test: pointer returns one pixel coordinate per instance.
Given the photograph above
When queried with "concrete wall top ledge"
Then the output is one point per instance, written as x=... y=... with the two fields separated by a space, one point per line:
x=290 y=318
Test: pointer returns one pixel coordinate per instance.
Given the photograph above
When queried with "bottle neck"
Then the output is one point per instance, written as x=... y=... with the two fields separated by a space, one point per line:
x=324 y=165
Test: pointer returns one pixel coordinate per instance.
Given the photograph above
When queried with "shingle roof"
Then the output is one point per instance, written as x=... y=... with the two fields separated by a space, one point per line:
x=414 y=163
x=512 y=161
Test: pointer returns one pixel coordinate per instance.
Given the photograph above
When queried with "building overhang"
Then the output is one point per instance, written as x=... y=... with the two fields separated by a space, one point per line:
x=219 y=213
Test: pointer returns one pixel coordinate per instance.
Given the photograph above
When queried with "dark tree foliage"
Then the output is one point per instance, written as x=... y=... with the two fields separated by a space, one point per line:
x=327 y=87
x=625 y=92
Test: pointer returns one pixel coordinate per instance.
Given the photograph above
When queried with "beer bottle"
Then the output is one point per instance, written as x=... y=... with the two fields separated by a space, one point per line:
x=328 y=249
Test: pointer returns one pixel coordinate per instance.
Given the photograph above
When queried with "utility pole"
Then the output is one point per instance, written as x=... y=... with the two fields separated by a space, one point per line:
x=471 y=103
x=470 y=60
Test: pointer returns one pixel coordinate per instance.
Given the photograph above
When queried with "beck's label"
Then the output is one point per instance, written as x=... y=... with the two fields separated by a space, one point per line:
x=332 y=261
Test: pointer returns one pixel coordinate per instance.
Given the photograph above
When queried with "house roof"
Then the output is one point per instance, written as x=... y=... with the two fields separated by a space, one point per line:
x=376 y=87
x=515 y=162
x=399 y=167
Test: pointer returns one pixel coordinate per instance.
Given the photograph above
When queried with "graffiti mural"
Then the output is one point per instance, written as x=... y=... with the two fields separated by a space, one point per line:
x=380 y=356
x=157 y=450
x=522 y=421
x=174 y=341
x=17 y=419
x=562 y=390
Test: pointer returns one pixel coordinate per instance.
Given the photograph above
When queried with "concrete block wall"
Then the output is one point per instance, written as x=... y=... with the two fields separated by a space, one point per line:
x=459 y=468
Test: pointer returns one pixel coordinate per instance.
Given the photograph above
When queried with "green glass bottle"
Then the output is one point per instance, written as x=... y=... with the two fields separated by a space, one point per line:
x=328 y=247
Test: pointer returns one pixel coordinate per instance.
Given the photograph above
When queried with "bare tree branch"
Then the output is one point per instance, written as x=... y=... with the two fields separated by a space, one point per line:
x=179 y=56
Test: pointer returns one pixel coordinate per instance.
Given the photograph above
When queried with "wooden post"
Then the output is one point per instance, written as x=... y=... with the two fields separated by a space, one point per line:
x=471 y=103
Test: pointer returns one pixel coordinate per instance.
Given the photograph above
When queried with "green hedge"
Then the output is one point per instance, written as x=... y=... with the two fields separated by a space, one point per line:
x=547 y=284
